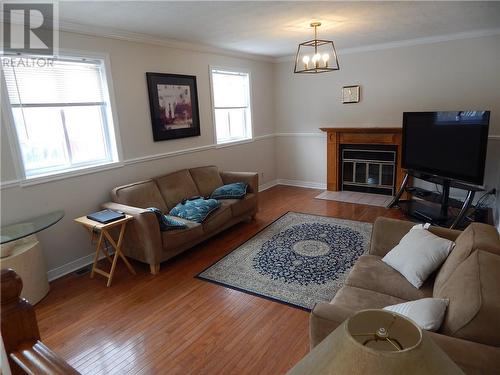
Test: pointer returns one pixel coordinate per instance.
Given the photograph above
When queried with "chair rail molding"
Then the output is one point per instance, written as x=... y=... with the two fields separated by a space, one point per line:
x=131 y=161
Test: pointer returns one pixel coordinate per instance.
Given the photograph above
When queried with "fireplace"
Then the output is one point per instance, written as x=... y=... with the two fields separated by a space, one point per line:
x=364 y=159
x=368 y=168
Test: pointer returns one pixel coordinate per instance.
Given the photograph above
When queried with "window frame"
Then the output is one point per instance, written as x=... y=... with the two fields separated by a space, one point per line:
x=249 y=139
x=113 y=130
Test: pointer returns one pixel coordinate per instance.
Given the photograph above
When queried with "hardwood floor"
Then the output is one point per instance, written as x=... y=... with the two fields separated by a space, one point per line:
x=173 y=323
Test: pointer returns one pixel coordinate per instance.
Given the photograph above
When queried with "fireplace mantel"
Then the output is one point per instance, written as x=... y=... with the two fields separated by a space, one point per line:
x=358 y=135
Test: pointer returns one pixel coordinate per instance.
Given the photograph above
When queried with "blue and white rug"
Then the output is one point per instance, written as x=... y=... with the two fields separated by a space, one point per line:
x=299 y=259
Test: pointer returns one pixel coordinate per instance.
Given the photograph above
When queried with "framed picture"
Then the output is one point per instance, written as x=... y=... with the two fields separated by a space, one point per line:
x=173 y=101
x=350 y=94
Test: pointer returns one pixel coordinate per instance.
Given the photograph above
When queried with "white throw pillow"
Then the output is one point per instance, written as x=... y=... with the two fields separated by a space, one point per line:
x=418 y=254
x=427 y=313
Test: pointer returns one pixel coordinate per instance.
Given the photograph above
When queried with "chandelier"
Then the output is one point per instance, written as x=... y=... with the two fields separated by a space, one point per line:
x=317 y=55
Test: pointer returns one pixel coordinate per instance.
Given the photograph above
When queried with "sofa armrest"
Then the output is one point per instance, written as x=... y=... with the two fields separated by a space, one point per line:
x=251 y=178
x=143 y=237
x=324 y=318
x=387 y=233
x=470 y=356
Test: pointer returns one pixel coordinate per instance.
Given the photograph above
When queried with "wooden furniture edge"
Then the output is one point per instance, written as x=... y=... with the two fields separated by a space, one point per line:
x=334 y=140
x=21 y=335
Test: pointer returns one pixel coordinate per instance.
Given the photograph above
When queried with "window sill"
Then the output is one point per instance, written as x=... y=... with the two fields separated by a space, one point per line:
x=235 y=142
x=70 y=173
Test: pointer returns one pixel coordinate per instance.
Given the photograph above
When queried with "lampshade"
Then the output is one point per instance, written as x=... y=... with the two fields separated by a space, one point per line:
x=317 y=55
x=376 y=342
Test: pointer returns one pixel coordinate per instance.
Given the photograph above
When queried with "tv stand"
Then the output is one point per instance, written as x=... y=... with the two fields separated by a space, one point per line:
x=434 y=207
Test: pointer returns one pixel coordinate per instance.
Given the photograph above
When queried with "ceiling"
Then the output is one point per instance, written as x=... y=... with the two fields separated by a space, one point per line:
x=274 y=28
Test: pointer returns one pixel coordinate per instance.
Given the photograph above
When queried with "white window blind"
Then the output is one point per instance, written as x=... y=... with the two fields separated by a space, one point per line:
x=232 y=112
x=62 y=115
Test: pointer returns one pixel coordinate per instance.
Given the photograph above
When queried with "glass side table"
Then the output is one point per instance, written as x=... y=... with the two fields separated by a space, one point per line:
x=20 y=250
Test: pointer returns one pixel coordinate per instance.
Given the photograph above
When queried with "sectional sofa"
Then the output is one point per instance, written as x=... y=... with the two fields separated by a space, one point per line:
x=469 y=278
x=143 y=239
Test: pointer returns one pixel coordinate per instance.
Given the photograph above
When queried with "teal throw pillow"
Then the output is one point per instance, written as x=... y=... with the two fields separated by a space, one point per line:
x=166 y=222
x=196 y=209
x=235 y=190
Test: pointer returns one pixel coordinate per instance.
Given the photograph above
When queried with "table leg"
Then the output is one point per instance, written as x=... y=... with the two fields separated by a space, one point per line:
x=105 y=251
x=118 y=253
x=96 y=256
x=118 y=247
x=119 y=250
x=115 y=259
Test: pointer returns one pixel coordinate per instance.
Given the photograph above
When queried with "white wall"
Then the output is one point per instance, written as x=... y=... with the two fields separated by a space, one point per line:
x=66 y=241
x=451 y=75
x=443 y=76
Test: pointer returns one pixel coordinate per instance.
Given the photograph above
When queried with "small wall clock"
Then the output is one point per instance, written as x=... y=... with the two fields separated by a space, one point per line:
x=350 y=94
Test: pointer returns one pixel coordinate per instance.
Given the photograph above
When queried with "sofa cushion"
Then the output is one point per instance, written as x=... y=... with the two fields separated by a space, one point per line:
x=475 y=236
x=474 y=294
x=218 y=219
x=172 y=239
x=240 y=207
x=427 y=313
x=141 y=194
x=196 y=210
x=354 y=299
x=369 y=272
x=207 y=179
x=167 y=222
x=175 y=187
x=236 y=190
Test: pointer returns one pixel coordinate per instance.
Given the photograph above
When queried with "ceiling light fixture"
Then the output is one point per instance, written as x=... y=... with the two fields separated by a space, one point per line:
x=317 y=55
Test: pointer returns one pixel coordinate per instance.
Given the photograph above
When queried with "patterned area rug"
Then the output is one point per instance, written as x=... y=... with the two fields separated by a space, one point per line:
x=298 y=259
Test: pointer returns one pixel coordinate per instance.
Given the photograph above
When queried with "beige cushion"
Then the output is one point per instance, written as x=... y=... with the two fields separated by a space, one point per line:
x=207 y=179
x=475 y=236
x=354 y=299
x=474 y=294
x=141 y=194
x=427 y=313
x=177 y=237
x=218 y=218
x=242 y=206
x=369 y=272
x=418 y=254
x=175 y=187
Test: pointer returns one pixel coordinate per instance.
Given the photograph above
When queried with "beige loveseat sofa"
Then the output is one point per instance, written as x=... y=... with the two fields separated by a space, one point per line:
x=143 y=239
x=470 y=278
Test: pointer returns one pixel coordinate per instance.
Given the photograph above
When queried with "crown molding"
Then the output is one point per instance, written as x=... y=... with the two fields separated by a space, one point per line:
x=407 y=43
x=129 y=36
x=106 y=32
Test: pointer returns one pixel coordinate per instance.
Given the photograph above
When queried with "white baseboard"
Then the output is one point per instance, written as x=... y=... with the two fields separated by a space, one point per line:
x=297 y=183
x=71 y=266
x=303 y=184
x=267 y=185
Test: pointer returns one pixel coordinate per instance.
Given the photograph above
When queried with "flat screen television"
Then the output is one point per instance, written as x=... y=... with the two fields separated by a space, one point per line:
x=450 y=145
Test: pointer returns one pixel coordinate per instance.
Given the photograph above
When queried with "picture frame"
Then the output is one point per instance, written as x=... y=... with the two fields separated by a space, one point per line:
x=173 y=103
x=350 y=94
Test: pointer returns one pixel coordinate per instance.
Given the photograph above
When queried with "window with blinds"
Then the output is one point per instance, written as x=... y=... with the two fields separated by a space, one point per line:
x=231 y=100
x=62 y=115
